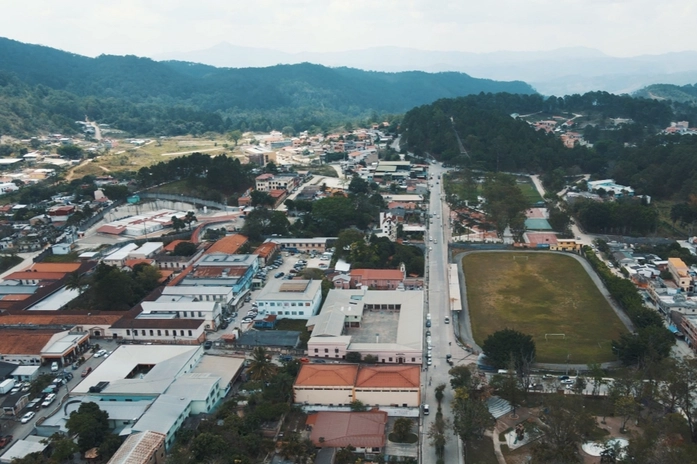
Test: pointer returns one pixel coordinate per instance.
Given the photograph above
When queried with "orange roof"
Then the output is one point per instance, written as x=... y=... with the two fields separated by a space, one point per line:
x=388 y=377
x=54 y=267
x=85 y=319
x=26 y=275
x=327 y=375
x=15 y=297
x=265 y=249
x=173 y=244
x=132 y=262
x=340 y=429
x=377 y=274
x=24 y=341
x=230 y=244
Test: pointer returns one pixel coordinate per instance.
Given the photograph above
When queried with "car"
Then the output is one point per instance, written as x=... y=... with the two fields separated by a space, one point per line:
x=426 y=409
x=50 y=398
x=86 y=372
x=448 y=356
x=54 y=367
x=107 y=354
x=6 y=440
x=428 y=323
x=447 y=320
x=100 y=353
x=567 y=382
x=319 y=361
x=27 y=417
x=429 y=361
x=247 y=299
x=207 y=345
x=279 y=274
x=563 y=377
x=428 y=333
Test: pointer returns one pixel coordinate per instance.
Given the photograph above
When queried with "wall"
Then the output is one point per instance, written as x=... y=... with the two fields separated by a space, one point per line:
x=324 y=395
x=388 y=397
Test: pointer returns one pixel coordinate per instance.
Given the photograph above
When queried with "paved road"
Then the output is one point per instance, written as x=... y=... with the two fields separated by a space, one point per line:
x=442 y=335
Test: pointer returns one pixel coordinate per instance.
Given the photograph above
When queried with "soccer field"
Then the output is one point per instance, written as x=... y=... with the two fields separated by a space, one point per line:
x=546 y=295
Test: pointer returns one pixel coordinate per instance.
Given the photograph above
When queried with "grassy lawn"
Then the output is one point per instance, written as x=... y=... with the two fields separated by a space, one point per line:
x=529 y=191
x=323 y=170
x=479 y=451
x=69 y=258
x=537 y=294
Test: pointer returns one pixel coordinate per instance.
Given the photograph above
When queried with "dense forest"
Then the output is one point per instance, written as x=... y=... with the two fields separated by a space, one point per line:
x=145 y=97
x=662 y=166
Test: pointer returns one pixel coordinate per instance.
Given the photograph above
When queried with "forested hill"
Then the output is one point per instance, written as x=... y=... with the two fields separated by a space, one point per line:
x=682 y=94
x=249 y=98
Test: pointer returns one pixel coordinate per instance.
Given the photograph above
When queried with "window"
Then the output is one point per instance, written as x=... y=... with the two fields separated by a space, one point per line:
x=336 y=350
x=390 y=359
x=128 y=332
x=326 y=350
x=151 y=332
x=292 y=304
x=182 y=334
x=135 y=332
x=316 y=350
x=200 y=314
x=186 y=314
x=190 y=333
x=307 y=304
x=413 y=359
x=166 y=333
x=294 y=313
x=159 y=332
x=302 y=313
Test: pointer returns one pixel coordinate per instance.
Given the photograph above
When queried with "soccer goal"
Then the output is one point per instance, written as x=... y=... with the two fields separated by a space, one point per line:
x=555 y=336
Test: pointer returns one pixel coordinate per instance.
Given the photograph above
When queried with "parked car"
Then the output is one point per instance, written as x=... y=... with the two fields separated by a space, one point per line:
x=6 y=440
x=428 y=323
x=50 y=398
x=279 y=274
x=207 y=345
x=27 y=417
x=426 y=410
x=86 y=372
x=100 y=353
x=54 y=367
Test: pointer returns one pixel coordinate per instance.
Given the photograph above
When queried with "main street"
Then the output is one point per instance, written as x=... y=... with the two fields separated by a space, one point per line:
x=442 y=336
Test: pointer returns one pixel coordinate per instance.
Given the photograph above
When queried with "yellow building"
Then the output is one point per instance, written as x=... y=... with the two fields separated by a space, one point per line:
x=679 y=270
x=566 y=245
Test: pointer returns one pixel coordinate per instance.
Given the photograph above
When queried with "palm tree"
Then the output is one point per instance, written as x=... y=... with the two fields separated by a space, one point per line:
x=189 y=218
x=77 y=282
x=261 y=367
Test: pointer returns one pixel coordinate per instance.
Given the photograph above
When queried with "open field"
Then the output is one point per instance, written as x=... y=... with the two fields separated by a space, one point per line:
x=541 y=293
x=126 y=157
x=529 y=191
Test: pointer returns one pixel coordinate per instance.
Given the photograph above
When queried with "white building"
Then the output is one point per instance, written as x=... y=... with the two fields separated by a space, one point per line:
x=119 y=257
x=183 y=307
x=290 y=299
x=148 y=250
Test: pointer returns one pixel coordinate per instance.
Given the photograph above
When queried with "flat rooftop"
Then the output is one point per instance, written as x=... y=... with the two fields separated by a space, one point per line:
x=376 y=327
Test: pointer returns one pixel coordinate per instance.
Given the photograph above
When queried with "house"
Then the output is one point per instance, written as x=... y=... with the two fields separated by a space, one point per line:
x=294 y=299
x=13 y=403
x=378 y=279
x=141 y=448
x=304 y=245
x=61 y=213
x=569 y=245
x=680 y=273
x=325 y=384
x=267 y=252
x=269 y=182
x=365 y=431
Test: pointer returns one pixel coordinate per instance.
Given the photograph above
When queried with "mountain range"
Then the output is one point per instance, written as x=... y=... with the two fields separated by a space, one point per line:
x=558 y=72
x=301 y=94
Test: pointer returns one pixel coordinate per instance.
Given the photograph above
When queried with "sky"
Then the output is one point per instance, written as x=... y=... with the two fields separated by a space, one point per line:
x=148 y=28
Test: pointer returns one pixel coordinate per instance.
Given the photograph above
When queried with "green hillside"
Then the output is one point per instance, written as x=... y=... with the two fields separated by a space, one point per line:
x=130 y=92
x=676 y=93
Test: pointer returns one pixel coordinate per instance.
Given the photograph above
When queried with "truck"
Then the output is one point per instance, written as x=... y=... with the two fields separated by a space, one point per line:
x=6 y=386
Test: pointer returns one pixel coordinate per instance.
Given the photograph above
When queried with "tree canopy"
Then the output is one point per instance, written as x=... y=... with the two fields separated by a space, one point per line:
x=505 y=345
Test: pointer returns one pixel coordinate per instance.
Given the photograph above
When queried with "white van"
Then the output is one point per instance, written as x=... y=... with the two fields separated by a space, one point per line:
x=426 y=409
x=428 y=316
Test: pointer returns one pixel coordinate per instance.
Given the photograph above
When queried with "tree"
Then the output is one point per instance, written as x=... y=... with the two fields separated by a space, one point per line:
x=439 y=393
x=63 y=447
x=460 y=377
x=184 y=249
x=271 y=168
x=357 y=406
x=470 y=417
x=353 y=357
x=178 y=224
x=260 y=198
x=75 y=281
x=358 y=185
x=402 y=429
x=437 y=434
x=625 y=407
x=566 y=425
x=235 y=136
x=90 y=424
x=70 y=151
x=190 y=218
x=345 y=455
x=650 y=343
x=370 y=359
x=261 y=367
x=503 y=345
x=109 y=446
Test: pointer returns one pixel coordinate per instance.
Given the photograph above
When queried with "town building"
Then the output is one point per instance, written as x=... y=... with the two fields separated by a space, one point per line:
x=269 y=182
x=290 y=299
x=141 y=448
x=681 y=274
x=304 y=245
x=378 y=279
x=365 y=431
x=610 y=186
x=377 y=323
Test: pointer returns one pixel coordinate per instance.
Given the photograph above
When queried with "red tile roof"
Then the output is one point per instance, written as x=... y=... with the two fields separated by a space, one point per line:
x=389 y=377
x=24 y=341
x=27 y=275
x=340 y=429
x=334 y=375
x=54 y=267
x=173 y=244
x=265 y=249
x=230 y=244
x=377 y=274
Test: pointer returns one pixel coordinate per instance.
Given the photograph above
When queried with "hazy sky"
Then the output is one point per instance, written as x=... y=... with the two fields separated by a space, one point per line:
x=146 y=28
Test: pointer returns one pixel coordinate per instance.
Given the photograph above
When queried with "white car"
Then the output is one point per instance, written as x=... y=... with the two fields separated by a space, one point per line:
x=54 y=367
x=27 y=417
x=50 y=398
x=100 y=353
